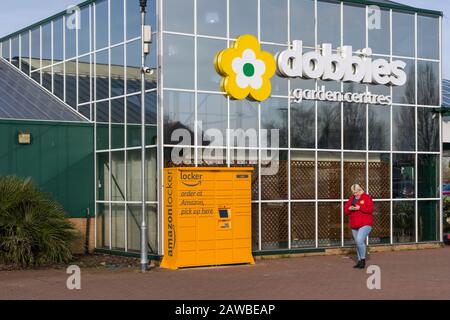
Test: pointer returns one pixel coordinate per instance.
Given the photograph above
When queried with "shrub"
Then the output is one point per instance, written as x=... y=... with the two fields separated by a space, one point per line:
x=33 y=228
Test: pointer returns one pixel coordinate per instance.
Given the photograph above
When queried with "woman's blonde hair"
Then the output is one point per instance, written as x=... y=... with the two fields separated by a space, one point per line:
x=356 y=187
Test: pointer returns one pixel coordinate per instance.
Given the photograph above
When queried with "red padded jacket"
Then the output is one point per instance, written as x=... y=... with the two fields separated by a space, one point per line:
x=362 y=217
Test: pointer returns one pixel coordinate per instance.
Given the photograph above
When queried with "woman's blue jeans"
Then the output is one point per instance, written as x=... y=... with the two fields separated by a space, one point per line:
x=360 y=236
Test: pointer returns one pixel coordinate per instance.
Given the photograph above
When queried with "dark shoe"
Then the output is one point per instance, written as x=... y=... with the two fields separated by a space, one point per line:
x=358 y=265
x=362 y=264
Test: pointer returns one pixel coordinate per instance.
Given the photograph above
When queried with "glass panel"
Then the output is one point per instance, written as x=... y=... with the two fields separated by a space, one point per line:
x=329 y=125
x=134 y=217
x=329 y=224
x=71 y=36
x=428 y=218
x=303 y=133
x=354 y=172
x=303 y=225
x=152 y=173
x=212 y=17
x=403 y=42
x=134 y=121
x=117 y=71
x=243 y=17
x=274 y=119
x=101 y=24
x=381 y=232
x=178 y=156
x=302 y=21
x=329 y=175
x=134 y=192
x=428 y=175
x=354 y=126
x=86 y=111
x=404 y=221
x=403 y=128
x=117 y=21
x=178 y=15
x=118 y=176
x=406 y=94
x=329 y=23
x=103 y=225
x=102 y=75
x=58 y=80
x=58 y=40
x=380 y=175
x=427 y=130
x=303 y=175
x=427 y=37
x=247 y=158
x=15 y=54
x=274 y=177
x=103 y=176
x=134 y=18
x=212 y=117
x=35 y=49
x=274 y=21
x=179 y=62
x=207 y=77
x=379 y=127
x=5 y=50
x=354 y=22
x=71 y=83
x=117 y=123
x=379 y=31
x=84 y=79
x=118 y=226
x=47 y=78
x=279 y=84
x=428 y=83
x=25 y=52
x=244 y=123
x=274 y=226
x=133 y=67
x=212 y=157
x=403 y=176
x=179 y=113
x=46 y=44
x=84 y=41
x=102 y=114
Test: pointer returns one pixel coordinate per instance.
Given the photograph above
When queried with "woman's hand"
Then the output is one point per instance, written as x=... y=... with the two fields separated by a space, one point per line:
x=356 y=208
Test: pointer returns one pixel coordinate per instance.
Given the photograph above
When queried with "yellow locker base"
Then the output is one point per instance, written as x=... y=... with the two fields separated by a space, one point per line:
x=208 y=217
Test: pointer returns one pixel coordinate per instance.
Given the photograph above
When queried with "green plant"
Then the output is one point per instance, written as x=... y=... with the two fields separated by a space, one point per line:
x=33 y=229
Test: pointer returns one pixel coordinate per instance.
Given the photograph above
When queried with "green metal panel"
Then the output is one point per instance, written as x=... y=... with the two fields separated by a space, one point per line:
x=60 y=160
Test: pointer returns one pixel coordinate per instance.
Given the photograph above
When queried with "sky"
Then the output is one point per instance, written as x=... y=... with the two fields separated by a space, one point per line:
x=31 y=11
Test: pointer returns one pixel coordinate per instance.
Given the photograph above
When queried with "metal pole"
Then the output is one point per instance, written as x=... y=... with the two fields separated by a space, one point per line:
x=144 y=227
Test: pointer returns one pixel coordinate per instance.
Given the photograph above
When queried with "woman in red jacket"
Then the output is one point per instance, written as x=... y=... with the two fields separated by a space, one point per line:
x=360 y=208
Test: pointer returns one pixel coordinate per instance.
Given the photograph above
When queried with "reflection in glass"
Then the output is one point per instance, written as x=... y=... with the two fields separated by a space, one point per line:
x=47 y=78
x=379 y=37
x=58 y=40
x=118 y=226
x=329 y=125
x=117 y=71
x=403 y=172
x=380 y=175
x=303 y=225
x=84 y=79
x=134 y=160
x=5 y=50
x=329 y=224
x=133 y=17
x=303 y=124
x=354 y=126
x=71 y=83
x=212 y=17
x=58 y=81
x=406 y=94
x=101 y=24
x=403 y=43
x=329 y=175
x=428 y=83
x=427 y=175
x=403 y=127
x=117 y=21
x=329 y=23
x=427 y=37
x=428 y=219
x=103 y=225
x=103 y=176
x=134 y=216
x=279 y=84
x=179 y=61
x=46 y=44
x=404 y=222
x=84 y=33
x=274 y=226
x=102 y=75
x=244 y=123
x=178 y=15
x=133 y=67
x=274 y=116
x=303 y=173
x=70 y=38
x=15 y=51
x=379 y=127
x=207 y=77
x=354 y=171
x=212 y=113
x=243 y=17
x=381 y=232
x=117 y=123
x=354 y=20
x=151 y=171
x=118 y=176
x=274 y=175
x=25 y=53
x=427 y=130
x=274 y=21
x=179 y=113
x=302 y=21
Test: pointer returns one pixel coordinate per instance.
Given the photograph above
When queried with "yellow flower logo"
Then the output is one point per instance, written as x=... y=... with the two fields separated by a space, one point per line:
x=246 y=70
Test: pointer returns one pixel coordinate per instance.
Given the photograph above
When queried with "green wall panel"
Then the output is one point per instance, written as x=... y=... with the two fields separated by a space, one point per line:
x=60 y=160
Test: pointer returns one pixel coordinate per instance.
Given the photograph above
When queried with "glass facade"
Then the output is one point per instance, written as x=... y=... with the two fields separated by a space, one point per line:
x=393 y=151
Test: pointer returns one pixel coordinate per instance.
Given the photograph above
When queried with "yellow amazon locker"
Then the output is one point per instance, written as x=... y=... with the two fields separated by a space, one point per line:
x=207 y=217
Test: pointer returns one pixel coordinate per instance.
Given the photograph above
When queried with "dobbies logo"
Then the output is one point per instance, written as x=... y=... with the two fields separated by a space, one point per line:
x=246 y=70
